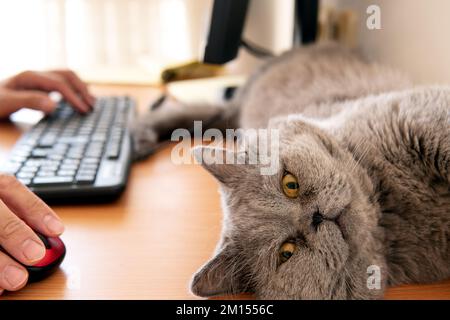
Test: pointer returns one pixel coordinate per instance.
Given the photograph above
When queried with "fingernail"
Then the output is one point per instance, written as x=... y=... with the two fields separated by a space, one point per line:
x=83 y=108
x=32 y=250
x=14 y=276
x=53 y=224
x=48 y=103
x=92 y=100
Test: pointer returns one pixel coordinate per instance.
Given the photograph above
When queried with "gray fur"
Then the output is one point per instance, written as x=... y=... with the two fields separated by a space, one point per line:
x=371 y=153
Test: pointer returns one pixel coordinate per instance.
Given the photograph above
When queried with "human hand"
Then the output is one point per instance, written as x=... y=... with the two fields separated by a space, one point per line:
x=30 y=89
x=20 y=212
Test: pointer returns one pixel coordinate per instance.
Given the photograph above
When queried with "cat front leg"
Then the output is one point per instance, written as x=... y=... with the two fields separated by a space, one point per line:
x=156 y=126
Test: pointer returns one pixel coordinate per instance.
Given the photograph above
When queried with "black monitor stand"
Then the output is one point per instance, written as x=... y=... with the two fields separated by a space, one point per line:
x=307 y=14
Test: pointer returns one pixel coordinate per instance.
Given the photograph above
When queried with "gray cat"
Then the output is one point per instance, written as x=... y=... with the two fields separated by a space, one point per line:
x=361 y=200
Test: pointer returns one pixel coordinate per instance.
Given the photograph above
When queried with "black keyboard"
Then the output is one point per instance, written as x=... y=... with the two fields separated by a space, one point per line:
x=68 y=155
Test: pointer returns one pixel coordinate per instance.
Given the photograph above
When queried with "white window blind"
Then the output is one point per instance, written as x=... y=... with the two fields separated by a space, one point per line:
x=102 y=39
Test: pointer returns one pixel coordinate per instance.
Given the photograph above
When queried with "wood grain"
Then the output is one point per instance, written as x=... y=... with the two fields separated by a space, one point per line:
x=148 y=243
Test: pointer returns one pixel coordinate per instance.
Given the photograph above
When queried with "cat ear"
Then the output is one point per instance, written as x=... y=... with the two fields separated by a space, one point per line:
x=220 y=276
x=225 y=165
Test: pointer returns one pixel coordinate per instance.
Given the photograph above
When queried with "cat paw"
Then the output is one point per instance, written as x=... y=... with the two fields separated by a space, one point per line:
x=144 y=139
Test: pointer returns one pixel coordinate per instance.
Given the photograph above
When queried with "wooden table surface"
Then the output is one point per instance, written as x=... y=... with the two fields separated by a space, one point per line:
x=148 y=243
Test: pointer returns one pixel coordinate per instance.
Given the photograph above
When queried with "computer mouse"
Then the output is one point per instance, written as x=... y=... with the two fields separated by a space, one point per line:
x=54 y=255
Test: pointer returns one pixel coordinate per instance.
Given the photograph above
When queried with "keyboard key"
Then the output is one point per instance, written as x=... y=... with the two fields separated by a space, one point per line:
x=58 y=152
x=87 y=172
x=84 y=179
x=68 y=173
x=68 y=166
x=42 y=181
x=88 y=166
x=94 y=153
x=34 y=162
x=40 y=153
x=91 y=160
x=44 y=173
x=48 y=162
x=76 y=150
x=49 y=168
x=21 y=153
x=25 y=175
x=71 y=161
x=113 y=152
x=10 y=167
x=18 y=159
x=97 y=137
x=75 y=156
x=32 y=169
x=48 y=140
x=55 y=157
x=26 y=182
x=29 y=141
x=74 y=140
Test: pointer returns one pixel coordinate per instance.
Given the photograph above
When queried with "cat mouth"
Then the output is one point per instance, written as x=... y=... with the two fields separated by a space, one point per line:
x=339 y=223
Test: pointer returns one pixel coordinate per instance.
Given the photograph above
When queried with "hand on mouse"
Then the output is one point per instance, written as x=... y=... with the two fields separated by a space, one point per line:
x=30 y=89
x=21 y=212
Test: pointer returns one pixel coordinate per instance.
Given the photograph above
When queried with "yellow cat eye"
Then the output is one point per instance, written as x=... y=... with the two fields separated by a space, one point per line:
x=290 y=185
x=286 y=251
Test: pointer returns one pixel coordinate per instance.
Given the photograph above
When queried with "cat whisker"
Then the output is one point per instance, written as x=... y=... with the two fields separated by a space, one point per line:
x=361 y=157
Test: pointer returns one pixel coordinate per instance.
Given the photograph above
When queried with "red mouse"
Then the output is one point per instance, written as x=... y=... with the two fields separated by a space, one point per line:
x=54 y=255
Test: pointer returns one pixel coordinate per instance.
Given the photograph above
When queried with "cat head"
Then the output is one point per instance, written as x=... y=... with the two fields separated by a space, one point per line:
x=308 y=231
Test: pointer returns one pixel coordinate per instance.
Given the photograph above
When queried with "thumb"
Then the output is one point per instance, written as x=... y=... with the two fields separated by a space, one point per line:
x=30 y=99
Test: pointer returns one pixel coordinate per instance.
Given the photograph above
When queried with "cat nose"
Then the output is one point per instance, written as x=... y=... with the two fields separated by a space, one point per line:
x=317 y=219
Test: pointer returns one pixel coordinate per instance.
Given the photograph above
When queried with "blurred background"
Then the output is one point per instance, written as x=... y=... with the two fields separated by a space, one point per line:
x=131 y=41
x=413 y=37
x=120 y=40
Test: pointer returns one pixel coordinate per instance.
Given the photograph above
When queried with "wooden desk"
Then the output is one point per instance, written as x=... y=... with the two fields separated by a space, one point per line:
x=148 y=243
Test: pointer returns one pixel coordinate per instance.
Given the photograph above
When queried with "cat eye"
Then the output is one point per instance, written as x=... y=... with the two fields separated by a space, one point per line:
x=286 y=251
x=290 y=185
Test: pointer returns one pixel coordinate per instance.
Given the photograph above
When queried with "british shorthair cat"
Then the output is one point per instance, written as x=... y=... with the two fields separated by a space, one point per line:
x=361 y=197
